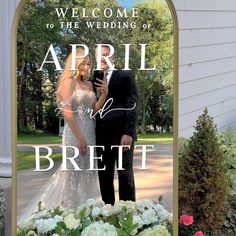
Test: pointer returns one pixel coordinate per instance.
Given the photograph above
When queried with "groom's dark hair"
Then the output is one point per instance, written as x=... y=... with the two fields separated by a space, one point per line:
x=105 y=41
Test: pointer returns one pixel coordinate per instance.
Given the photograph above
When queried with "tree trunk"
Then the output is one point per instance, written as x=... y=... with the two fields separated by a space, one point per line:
x=21 y=98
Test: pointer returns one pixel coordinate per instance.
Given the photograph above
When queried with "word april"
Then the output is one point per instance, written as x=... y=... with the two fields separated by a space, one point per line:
x=100 y=57
x=92 y=157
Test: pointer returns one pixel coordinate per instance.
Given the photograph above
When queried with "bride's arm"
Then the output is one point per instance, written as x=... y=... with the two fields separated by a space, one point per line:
x=68 y=113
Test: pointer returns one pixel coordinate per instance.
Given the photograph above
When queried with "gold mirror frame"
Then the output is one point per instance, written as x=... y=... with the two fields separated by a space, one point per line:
x=14 y=111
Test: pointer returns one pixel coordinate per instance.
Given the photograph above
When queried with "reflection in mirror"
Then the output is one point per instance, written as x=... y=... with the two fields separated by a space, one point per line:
x=105 y=137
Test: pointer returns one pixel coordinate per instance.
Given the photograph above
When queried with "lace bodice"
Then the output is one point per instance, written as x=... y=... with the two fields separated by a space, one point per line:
x=82 y=100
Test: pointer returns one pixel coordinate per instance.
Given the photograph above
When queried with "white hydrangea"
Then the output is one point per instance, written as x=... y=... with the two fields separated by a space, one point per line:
x=130 y=205
x=138 y=220
x=99 y=229
x=107 y=210
x=117 y=209
x=67 y=212
x=27 y=225
x=91 y=202
x=58 y=218
x=146 y=204
x=80 y=208
x=164 y=216
x=158 y=207
x=149 y=216
x=158 y=230
x=45 y=225
x=99 y=203
x=145 y=214
x=71 y=222
x=96 y=211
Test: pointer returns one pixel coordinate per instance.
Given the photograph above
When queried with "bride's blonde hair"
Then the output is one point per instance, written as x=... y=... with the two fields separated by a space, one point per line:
x=71 y=74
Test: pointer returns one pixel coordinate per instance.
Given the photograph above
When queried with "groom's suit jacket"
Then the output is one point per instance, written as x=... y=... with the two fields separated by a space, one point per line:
x=123 y=92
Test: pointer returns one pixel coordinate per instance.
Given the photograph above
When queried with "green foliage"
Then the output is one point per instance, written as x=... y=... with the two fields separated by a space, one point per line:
x=228 y=138
x=21 y=232
x=228 y=143
x=155 y=88
x=29 y=130
x=203 y=184
x=229 y=227
x=51 y=119
x=26 y=160
x=39 y=138
x=127 y=224
x=182 y=145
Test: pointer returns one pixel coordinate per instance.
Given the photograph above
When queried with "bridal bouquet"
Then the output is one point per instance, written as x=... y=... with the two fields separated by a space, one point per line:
x=94 y=218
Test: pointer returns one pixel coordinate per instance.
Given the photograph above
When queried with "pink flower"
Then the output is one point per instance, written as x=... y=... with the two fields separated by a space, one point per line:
x=199 y=233
x=186 y=220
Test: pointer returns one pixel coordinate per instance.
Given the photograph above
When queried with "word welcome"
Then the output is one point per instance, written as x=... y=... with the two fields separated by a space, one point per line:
x=97 y=12
x=92 y=157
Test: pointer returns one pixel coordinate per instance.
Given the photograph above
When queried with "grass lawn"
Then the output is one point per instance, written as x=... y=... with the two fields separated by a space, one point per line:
x=162 y=138
x=38 y=139
x=26 y=160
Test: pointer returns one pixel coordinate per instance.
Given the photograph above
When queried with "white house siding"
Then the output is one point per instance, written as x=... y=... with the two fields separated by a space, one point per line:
x=207 y=62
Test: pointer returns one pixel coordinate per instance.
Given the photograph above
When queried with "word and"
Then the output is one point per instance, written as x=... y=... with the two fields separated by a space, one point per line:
x=102 y=112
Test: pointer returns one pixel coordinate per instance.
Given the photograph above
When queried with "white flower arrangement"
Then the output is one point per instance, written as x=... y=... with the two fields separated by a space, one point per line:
x=95 y=218
x=99 y=229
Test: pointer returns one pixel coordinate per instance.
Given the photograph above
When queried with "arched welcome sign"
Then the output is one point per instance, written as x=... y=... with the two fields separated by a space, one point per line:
x=138 y=33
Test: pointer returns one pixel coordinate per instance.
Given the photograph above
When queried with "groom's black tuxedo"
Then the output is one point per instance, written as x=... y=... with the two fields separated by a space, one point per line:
x=109 y=130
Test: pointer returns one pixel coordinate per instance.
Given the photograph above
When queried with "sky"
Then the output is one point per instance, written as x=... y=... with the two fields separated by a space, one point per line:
x=126 y=3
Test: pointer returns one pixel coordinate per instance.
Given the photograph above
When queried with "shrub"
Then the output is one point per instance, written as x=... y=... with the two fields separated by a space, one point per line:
x=229 y=227
x=187 y=227
x=182 y=144
x=228 y=142
x=203 y=184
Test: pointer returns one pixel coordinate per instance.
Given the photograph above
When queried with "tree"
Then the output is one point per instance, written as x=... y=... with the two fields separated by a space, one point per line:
x=34 y=38
x=203 y=183
x=159 y=38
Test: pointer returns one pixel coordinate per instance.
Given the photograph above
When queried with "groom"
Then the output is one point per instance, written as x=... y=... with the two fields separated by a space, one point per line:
x=117 y=127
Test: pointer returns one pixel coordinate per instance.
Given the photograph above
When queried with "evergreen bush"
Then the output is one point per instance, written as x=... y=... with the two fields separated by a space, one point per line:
x=203 y=184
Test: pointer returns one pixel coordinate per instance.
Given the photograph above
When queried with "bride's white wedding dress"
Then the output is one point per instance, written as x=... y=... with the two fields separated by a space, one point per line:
x=73 y=187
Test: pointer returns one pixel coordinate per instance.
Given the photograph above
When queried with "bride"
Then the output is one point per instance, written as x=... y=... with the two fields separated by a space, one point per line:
x=74 y=93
